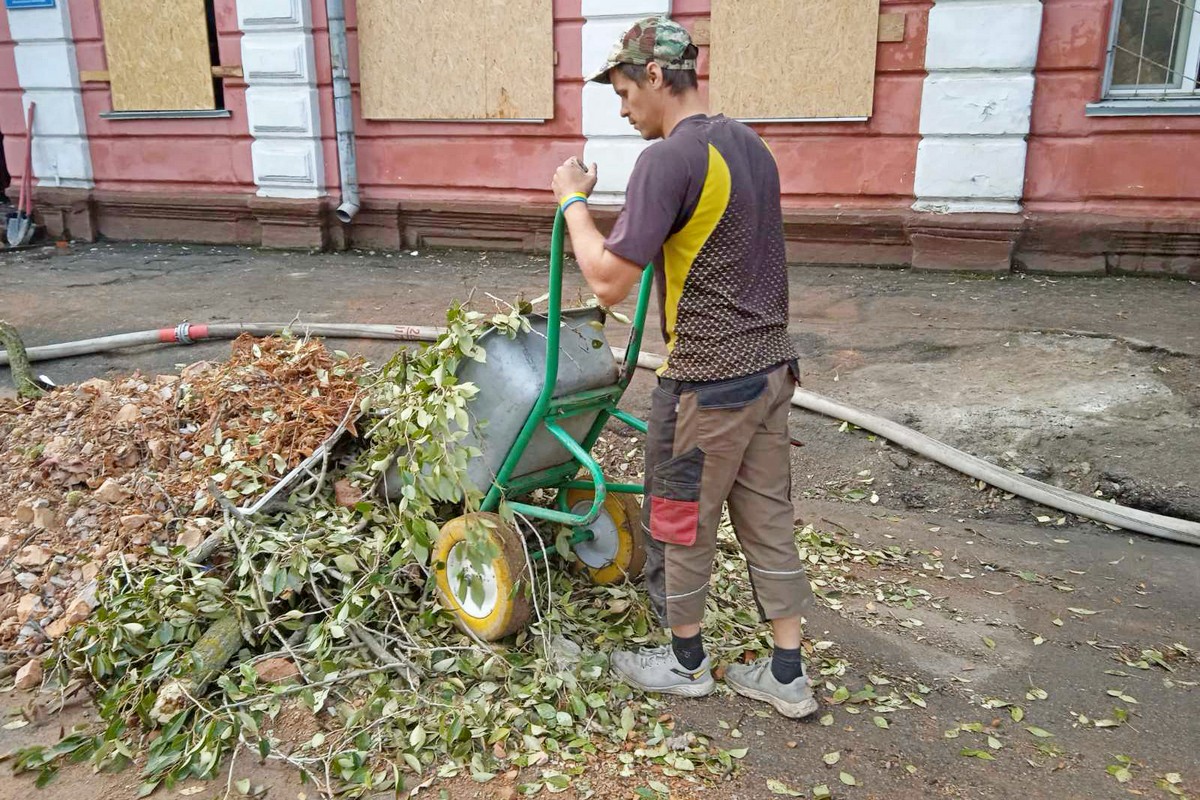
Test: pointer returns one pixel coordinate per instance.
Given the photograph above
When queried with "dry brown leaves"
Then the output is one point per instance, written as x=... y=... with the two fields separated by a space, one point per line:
x=111 y=466
x=273 y=398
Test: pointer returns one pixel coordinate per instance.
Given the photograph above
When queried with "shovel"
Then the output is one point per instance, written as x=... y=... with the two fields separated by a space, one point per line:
x=20 y=225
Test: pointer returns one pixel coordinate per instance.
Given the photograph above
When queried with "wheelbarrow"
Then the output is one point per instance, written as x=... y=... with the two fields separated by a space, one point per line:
x=546 y=396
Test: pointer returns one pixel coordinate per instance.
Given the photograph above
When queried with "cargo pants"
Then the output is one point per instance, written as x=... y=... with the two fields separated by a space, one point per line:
x=709 y=443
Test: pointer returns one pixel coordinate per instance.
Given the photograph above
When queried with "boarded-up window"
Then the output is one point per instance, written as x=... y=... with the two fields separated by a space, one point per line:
x=467 y=59
x=159 y=56
x=793 y=59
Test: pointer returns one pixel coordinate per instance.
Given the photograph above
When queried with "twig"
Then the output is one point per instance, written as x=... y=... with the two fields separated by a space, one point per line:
x=18 y=549
x=533 y=582
x=365 y=639
x=298 y=687
x=12 y=669
x=325 y=448
x=232 y=763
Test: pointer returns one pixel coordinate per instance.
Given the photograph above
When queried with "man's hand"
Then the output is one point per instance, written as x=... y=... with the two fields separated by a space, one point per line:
x=610 y=277
x=573 y=177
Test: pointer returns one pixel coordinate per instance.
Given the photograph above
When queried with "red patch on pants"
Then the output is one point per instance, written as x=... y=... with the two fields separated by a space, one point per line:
x=674 y=521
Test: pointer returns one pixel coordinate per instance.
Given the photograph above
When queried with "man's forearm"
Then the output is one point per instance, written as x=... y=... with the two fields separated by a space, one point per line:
x=586 y=239
x=609 y=285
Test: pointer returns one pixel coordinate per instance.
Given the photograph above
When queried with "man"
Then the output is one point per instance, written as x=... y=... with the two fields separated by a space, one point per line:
x=703 y=204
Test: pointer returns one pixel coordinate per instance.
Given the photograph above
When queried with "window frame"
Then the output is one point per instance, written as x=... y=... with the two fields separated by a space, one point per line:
x=219 y=109
x=1123 y=100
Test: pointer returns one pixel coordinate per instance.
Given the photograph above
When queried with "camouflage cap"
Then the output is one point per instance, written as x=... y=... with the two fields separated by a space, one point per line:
x=656 y=39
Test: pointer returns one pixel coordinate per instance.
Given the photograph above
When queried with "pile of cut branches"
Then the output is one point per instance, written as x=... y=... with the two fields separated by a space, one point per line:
x=324 y=609
x=112 y=466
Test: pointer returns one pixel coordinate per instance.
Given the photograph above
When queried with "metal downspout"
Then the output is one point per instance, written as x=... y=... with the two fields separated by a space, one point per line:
x=343 y=109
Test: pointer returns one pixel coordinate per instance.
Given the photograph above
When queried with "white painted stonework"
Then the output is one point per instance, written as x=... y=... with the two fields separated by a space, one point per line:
x=612 y=143
x=983 y=34
x=281 y=97
x=976 y=105
x=49 y=77
x=990 y=105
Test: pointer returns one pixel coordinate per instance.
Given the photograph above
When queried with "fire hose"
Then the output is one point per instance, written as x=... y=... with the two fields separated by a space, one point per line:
x=1156 y=525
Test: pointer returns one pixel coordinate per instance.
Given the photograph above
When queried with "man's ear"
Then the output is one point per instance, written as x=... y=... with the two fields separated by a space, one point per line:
x=654 y=75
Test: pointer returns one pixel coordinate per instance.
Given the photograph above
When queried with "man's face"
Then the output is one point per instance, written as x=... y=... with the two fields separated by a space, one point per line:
x=642 y=104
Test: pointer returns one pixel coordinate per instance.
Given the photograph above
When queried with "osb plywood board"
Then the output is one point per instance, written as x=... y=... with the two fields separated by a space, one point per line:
x=891 y=27
x=520 y=55
x=421 y=59
x=793 y=59
x=470 y=59
x=158 y=56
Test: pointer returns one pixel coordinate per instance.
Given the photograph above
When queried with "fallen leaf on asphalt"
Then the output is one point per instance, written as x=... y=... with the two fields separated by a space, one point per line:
x=832 y=758
x=1041 y=733
x=848 y=779
x=781 y=788
x=1120 y=693
x=1121 y=773
x=981 y=754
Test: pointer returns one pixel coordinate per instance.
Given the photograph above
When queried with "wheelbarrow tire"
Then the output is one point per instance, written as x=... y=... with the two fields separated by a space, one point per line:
x=626 y=514
x=504 y=609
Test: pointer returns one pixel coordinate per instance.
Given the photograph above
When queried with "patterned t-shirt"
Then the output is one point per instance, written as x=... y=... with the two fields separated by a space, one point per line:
x=703 y=205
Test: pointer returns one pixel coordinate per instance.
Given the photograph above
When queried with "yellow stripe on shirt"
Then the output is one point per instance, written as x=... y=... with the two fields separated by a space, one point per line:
x=680 y=251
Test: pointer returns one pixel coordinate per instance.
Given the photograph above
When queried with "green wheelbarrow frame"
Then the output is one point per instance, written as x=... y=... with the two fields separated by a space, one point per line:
x=549 y=410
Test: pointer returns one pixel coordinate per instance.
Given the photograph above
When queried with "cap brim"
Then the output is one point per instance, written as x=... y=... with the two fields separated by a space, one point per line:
x=601 y=75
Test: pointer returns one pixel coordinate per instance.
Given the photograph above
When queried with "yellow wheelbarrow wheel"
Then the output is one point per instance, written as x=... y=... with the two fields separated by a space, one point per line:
x=617 y=549
x=485 y=600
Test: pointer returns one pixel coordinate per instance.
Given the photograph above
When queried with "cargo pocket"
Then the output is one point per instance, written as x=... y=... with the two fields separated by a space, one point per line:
x=724 y=418
x=675 y=498
x=737 y=393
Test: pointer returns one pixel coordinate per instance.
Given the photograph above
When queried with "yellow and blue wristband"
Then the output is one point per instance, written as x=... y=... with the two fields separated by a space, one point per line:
x=575 y=197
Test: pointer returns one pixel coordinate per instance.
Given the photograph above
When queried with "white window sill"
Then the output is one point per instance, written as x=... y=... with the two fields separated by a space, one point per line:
x=206 y=114
x=1145 y=107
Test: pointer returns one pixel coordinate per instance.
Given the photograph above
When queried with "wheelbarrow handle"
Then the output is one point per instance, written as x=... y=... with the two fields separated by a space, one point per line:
x=538 y=415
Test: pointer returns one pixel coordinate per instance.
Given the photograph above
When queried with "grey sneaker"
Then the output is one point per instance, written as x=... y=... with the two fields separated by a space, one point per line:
x=656 y=669
x=756 y=681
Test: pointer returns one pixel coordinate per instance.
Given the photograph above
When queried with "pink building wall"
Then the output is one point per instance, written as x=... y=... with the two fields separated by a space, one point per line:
x=164 y=155
x=852 y=164
x=12 y=113
x=1101 y=193
x=508 y=162
x=1138 y=166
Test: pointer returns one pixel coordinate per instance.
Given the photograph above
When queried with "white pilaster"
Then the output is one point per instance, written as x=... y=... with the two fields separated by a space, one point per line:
x=281 y=97
x=612 y=143
x=976 y=105
x=49 y=77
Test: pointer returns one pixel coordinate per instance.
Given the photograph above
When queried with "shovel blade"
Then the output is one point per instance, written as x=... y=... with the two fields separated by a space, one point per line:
x=19 y=231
